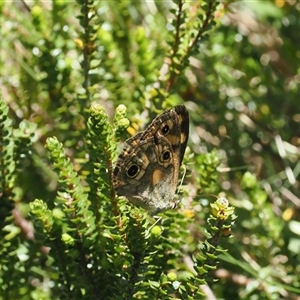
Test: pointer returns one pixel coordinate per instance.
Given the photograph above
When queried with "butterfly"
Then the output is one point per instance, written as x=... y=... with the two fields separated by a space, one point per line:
x=147 y=169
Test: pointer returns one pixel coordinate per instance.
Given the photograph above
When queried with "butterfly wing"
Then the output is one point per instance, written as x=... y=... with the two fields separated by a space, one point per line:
x=144 y=175
x=147 y=169
x=173 y=124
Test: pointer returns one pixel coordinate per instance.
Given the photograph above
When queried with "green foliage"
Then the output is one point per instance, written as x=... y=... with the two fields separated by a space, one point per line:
x=94 y=230
x=77 y=78
x=15 y=258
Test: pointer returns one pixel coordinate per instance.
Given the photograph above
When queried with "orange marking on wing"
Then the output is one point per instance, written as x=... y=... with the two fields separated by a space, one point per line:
x=157 y=176
x=173 y=139
x=182 y=138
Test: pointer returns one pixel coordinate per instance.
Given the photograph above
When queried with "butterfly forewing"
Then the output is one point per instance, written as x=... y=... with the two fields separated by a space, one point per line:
x=174 y=125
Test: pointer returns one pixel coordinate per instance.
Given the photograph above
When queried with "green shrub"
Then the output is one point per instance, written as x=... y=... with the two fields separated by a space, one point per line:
x=79 y=77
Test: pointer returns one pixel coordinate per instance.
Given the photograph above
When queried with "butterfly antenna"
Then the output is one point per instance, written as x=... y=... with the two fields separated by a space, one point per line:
x=157 y=220
x=182 y=178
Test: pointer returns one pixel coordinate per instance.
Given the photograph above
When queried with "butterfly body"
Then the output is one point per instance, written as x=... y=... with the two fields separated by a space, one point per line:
x=147 y=169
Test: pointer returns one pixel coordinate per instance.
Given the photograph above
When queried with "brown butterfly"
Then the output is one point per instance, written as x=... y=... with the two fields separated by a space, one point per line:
x=147 y=169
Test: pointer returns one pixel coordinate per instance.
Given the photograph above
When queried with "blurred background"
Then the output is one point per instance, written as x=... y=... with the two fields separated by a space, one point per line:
x=241 y=84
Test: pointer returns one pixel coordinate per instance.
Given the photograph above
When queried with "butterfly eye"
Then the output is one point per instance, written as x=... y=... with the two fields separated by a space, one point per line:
x=165 y=130
x=133 y=171
x=165 y=156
